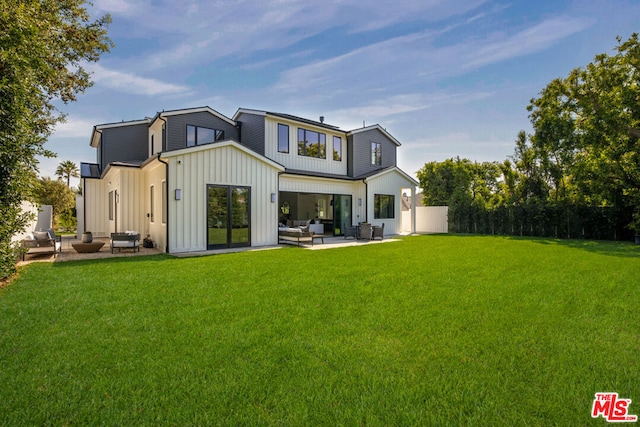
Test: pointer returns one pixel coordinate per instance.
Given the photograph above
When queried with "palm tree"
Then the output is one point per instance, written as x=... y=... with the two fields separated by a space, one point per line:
x=67 y=169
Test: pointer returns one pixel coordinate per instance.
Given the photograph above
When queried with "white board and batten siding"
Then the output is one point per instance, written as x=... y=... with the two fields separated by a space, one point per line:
x=226 y=163
x=389 y=183
x=292 y=160
x=95 y=207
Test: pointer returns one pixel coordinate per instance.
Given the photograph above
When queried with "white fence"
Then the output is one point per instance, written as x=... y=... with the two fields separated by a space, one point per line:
x=429 y=219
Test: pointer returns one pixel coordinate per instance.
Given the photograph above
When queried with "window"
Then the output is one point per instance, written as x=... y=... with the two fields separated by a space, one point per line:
x=152 y=145
x=197 y=135
x=337 y=148
x=283 y=138
x=376 y=154
x=312 y=144
x=383 y=206
x=151 y=200
x=110 y=205
x=164 y=202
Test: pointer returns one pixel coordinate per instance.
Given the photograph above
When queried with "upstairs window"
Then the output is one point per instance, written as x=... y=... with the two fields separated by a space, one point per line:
x=283 y=138
x=337 y=148
x=312 y=144
x=198 y=135
x=376 y=154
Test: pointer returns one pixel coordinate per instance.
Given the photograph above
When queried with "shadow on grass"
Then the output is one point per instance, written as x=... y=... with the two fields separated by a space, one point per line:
x=118 y=260
x=601 y=247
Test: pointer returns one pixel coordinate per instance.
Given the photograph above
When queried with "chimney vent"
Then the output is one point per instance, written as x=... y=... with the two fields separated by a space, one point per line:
x=321 y=119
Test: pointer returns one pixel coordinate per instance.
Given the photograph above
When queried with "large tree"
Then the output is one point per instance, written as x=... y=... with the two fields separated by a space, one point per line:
x=43 y=46
x=66 y=170
x=587 y=129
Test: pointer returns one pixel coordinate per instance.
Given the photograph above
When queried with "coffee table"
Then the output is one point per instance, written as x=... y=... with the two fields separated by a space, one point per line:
x=85 y=248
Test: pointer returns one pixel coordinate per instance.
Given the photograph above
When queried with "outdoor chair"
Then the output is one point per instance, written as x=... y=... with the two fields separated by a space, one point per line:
x=365 y=231
x=378 y=232
x=350 y=231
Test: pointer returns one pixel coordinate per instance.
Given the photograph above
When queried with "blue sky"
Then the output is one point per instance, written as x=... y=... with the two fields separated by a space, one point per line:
x=445 y=77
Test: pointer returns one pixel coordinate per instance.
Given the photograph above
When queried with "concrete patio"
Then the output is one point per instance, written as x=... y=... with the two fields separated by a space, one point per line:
x=69 y=253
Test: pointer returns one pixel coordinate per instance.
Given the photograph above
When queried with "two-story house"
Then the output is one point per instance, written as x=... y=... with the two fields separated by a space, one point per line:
x=194 y=179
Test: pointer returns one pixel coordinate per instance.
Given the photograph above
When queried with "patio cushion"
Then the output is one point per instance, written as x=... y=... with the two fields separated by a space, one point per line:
x=41 y=235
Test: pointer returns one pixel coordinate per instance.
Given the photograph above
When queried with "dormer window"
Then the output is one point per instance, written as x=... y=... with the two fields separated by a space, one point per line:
x=312 y=144
x=198 y=135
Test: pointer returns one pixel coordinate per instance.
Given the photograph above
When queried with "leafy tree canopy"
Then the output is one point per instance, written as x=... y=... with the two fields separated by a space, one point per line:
x=43 y=47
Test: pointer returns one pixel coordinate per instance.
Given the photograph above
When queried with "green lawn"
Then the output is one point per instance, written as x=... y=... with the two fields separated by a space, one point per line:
x=431 y=330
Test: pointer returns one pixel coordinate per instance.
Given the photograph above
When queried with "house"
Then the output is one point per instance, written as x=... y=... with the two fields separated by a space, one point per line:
x=194 y=180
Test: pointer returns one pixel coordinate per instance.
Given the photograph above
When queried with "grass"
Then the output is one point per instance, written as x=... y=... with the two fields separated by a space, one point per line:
x=432 y=330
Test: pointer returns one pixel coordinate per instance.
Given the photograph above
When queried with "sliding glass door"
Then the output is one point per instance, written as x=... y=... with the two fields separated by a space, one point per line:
x=341 y=213
x=228 y=216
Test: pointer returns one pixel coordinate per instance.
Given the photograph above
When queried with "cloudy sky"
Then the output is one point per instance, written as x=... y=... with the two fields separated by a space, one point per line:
x=445 y=77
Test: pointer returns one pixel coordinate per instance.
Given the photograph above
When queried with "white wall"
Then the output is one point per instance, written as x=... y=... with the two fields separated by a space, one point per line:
x=429 y=219
x=191 y=170
x=292 y=160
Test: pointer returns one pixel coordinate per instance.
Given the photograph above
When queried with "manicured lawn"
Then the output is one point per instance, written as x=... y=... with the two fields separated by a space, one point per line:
x=432 y=330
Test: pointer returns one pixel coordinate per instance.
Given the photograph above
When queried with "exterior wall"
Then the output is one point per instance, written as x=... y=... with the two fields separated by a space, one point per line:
x=292 y=160
x=156 y=136
x=132 y=201
x=303 y=184
x=252 y=131
x=123 y=144
x=224 y=164
x=176 y=130
x=359 y=147
x=96 y=207
x=390 y=183
x=155 y=175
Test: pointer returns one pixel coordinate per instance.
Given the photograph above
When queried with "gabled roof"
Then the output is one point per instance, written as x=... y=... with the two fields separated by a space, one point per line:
x=191 y=111
x=379 y=128
x=380 y=172
x=98 y=128
x=288 y=117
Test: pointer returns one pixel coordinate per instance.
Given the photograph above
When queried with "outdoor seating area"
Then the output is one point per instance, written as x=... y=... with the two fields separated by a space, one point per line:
x=41 y=242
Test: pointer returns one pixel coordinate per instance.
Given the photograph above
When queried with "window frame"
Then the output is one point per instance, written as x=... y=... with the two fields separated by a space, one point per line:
x=163 y=190
x=152 y=190
x=303 y=143
x=285 y=133
x=377 y=206
x=338 y=140
x=192 y=132
x=111 y=200
x=376 y=153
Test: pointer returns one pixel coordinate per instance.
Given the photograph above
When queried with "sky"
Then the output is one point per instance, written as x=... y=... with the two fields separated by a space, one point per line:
x=446 y=78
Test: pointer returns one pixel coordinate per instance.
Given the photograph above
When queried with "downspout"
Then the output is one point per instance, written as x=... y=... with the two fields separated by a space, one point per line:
x=366 y=197
x=166 y=173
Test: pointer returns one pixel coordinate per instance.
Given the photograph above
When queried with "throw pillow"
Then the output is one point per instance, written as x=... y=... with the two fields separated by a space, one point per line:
x=41 y=235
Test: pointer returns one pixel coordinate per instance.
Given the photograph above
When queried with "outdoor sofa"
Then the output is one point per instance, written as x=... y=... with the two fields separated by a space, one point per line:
x=125 y=240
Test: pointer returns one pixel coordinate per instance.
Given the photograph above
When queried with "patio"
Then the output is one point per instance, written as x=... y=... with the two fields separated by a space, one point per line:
x=69 y=253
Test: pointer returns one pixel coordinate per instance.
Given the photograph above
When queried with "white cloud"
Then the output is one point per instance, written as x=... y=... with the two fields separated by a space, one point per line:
x=133 y=84
x=527 y=41
x=75 y=128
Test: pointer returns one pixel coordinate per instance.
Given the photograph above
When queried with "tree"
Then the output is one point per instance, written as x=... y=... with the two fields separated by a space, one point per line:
x=55 y=193
x=589 y=123
x=67 y=169
x=43 y=45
